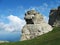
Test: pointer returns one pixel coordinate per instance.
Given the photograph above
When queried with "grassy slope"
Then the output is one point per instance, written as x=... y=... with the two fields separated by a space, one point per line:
x=51 y=38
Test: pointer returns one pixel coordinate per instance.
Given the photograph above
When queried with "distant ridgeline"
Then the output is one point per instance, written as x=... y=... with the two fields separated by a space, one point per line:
x=54 y=17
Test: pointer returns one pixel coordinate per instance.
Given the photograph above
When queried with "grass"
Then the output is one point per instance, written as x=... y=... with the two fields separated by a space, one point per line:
x=51 y=38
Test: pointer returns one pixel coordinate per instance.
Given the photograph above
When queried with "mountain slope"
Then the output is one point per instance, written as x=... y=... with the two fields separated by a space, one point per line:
x=51 y=38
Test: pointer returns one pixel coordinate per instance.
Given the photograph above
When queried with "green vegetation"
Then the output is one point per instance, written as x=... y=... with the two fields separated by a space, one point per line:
x=51 y=38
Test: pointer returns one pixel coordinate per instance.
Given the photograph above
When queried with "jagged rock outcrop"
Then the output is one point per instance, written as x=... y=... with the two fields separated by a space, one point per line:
x=54 y=17
x=35 y=25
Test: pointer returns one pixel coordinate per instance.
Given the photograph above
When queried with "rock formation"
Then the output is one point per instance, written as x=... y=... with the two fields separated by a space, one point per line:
x=54 y=17
x=35 y=25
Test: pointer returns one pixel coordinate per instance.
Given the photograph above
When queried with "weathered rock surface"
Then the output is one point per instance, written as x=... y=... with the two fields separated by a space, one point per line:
x=35 y=25
x=54 y=17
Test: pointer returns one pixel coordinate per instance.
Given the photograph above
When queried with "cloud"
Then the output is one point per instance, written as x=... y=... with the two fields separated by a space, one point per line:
x=15 y=24
x=41 y=8
x=46 y=18
x=45 y=4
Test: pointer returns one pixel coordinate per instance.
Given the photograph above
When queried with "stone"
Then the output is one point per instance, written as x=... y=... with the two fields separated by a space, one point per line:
x=35 y=25
x=54 y=17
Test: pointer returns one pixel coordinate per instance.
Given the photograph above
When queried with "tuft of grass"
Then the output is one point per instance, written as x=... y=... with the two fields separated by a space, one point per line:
x=51 y=38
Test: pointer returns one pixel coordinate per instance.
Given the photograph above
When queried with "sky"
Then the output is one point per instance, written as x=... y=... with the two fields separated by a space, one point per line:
x=12 y=12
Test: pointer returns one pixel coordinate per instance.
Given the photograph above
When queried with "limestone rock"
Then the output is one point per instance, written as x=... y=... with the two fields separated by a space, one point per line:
x=54 y=17
x=35 y=25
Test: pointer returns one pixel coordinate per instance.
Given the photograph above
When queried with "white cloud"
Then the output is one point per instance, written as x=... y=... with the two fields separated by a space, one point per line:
x=41 y=8
x=46 y=18
x=31 y=8
x=15 y=24
x=45 y=4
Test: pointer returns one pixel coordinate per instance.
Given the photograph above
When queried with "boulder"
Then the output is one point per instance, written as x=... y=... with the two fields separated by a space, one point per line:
x=54 y=17
x=35 y=25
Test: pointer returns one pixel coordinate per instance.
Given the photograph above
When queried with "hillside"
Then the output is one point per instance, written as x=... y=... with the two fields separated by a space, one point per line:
x=51 y=38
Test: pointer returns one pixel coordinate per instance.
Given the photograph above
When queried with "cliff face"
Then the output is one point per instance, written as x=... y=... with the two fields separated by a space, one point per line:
x=35 y=25
x=54 y=17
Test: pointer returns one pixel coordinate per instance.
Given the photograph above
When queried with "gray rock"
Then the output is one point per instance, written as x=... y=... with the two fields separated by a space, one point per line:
x=35 y=25
x=54 y=17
